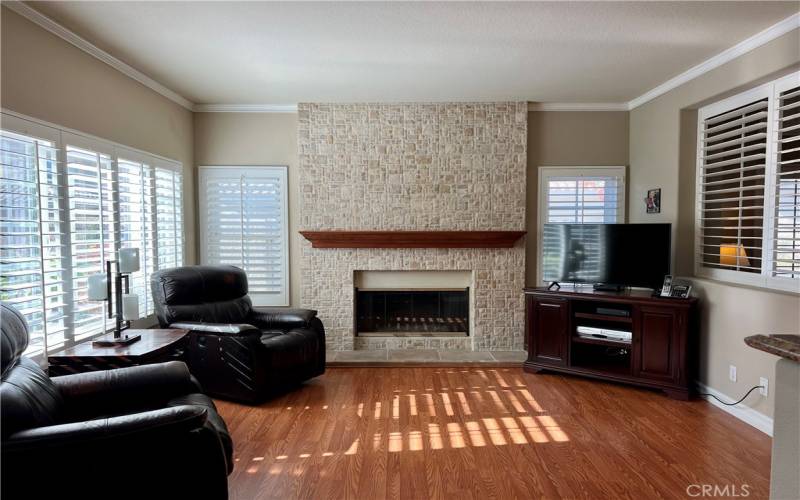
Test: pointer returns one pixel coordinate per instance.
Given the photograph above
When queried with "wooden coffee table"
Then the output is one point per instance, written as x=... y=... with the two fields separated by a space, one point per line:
x=156 y=346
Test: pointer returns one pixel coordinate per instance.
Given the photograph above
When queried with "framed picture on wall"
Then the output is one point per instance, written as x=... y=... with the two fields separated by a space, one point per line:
x=653 y=201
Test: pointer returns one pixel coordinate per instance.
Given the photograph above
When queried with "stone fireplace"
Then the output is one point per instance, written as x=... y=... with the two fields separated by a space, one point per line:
x=415 y=167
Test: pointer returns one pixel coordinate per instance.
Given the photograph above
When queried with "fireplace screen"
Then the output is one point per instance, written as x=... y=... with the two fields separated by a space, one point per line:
x=412 y=312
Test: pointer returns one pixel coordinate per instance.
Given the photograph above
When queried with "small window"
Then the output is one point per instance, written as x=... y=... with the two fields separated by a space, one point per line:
x=244 y=222
x=580 y=195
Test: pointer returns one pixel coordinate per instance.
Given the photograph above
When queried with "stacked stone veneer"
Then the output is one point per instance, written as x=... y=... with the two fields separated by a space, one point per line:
x=449 y=166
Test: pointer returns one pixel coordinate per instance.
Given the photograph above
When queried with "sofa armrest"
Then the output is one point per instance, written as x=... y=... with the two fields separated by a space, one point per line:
x=126 y=457
x=217 y=328
x=93 y=393
x=281 y=317
x=177 y=419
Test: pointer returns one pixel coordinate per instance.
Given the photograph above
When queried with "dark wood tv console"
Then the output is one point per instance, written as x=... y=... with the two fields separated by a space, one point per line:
x=661 y=353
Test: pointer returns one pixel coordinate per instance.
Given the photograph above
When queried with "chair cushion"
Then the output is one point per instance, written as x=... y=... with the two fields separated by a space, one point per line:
x=266 y=335
x=214 y=419
x=291 y=350
x=210 y=294
x=28 y=398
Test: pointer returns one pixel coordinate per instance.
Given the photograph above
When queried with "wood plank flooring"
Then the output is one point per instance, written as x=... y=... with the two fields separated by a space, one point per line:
x=480 y=433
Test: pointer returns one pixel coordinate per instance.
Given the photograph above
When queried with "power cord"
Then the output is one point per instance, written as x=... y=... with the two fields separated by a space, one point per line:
x=736 y=403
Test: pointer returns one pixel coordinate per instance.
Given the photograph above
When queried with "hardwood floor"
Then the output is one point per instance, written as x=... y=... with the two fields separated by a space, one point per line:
x=481 y=433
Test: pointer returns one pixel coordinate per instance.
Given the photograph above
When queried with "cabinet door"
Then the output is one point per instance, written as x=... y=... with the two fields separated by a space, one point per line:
x=548 y=330
x=656 y=353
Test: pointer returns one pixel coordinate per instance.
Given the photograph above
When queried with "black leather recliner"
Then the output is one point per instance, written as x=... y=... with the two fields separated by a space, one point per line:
x=138 y=432
x=238 y=351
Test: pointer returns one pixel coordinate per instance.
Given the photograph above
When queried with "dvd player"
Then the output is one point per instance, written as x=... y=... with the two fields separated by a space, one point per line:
x=604 y=333
x=613 y=312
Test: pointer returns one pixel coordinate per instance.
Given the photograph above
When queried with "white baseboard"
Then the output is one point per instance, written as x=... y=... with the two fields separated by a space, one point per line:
x=740 y=411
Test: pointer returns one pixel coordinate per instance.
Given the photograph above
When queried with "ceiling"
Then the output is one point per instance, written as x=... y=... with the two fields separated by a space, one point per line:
x=284 y=53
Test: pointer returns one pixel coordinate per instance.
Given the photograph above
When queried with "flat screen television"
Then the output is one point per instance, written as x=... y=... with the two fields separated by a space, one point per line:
x=636 y=255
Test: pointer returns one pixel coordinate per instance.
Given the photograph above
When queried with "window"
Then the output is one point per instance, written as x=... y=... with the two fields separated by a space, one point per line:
x=136 y=219
x=32 y=252
x=786 y=216
x=68 y=203
x=579 y=195
x=244 y=222
x=90 y=211
x=748 y=184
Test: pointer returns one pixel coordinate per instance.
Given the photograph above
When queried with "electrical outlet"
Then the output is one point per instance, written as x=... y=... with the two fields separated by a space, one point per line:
x=732 y=373
x=764 y=383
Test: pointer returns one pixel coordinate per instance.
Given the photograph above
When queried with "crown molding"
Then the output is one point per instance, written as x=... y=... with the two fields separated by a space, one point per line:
x=577 y=106
x=53 y=27
x=741 y=48
x=245 y=108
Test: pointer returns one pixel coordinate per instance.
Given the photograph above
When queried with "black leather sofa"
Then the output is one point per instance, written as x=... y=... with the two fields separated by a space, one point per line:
x=238 y=351
x=139 y=432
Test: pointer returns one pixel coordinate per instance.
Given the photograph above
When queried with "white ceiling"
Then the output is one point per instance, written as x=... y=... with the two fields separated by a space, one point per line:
x=284 y=53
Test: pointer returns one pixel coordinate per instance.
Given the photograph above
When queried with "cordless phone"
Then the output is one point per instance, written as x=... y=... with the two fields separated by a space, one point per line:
x=676 y=289
x=666 y=289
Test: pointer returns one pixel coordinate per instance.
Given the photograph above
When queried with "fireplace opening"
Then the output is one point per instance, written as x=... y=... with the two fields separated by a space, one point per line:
x=418 y=313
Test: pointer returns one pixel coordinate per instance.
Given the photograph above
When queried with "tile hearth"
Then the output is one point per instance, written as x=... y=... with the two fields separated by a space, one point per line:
x=427 y=356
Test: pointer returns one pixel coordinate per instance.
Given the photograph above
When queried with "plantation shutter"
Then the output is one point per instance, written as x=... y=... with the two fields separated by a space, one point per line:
x=786 y=225
x=244 y=223
x=578 y=195
x=92 y=227
x=590 y=198
x=137 y=225
x=169 y=208
x=68 y=203
x=732 y=186
x=32 y=267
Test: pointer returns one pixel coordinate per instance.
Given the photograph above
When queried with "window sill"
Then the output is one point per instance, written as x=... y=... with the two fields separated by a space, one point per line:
x=747 y=286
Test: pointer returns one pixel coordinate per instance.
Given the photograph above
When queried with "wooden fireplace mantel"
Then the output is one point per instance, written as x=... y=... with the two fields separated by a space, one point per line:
x=412 y=239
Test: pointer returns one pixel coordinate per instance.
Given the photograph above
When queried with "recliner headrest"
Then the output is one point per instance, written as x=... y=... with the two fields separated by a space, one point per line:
x=14 y=336
x=198 y=284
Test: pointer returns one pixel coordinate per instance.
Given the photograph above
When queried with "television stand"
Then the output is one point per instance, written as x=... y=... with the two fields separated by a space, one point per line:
x=652 y=341
x=607 y=287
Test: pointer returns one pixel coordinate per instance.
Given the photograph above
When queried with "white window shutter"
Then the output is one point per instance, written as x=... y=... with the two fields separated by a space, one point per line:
x=748 y=184
x=137 y=226
x=91 y=215
x=68 y=203
x=589 y=199
x=733 y=158
x=32 y=263
x=785 y=248
x=244 y=223
x=168 y=214
x=578 y=195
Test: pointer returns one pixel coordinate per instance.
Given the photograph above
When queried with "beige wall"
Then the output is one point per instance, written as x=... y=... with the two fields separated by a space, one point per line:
x=554 y=139
x=569 y=138
x=662 y=142
x=255 y=139
x=47 y=78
